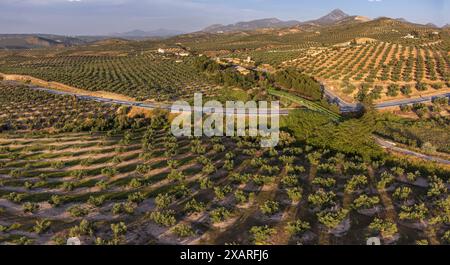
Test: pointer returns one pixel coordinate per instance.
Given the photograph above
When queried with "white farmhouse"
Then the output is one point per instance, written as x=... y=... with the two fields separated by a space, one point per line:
x=409 y=36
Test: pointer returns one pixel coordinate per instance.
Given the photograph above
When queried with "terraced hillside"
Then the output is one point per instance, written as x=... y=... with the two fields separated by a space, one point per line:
x=134 y=183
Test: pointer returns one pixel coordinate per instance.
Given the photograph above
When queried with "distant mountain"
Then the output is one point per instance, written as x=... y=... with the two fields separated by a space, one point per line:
x=431 y=25
x=30 y=41
x=331 y=18
x=140 y=34
x=362 y=18
x=446 y=26
x=348 y=20
x=402 y=20
x=251 y=25
x=110 y=41
x=214 y=28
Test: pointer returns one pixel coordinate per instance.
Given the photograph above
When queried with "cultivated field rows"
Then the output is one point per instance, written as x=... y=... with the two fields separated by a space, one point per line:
x=387 y=70
x=166 y=190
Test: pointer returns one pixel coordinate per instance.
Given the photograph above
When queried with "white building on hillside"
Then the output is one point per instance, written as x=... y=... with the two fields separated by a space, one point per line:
x=409 y=36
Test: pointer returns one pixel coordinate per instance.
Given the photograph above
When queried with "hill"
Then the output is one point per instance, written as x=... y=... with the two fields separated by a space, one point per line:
x=30 y=41
x=140 y=34
x=335 y=17
x=331 y=18
x=251 y=25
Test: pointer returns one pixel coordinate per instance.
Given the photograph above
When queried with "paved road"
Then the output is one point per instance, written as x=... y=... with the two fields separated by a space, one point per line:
x=393 y=147
x=354 y=107
x=344 y=106
x=411 y=101
x=160 y=106
x=383 y=143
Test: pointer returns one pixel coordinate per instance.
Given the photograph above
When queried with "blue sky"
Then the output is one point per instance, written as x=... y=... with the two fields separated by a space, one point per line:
x=73 y=17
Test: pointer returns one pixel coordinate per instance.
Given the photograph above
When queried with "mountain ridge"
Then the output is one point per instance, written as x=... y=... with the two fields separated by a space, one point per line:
x=251 y=25
x=29 y=41
x=137 y=33
x=334 y=16
x=330 y=18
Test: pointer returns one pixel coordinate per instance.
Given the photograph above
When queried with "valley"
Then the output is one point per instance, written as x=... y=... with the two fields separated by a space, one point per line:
x=87 y=151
